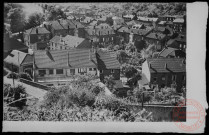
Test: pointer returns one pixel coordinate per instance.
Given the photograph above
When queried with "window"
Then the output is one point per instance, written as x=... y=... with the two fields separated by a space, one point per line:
x=72 y=71
x=184 y=77
x=42 y=72
x=155 y=79
x=51 y=71
x=163 y=78
x=103 y=39
x=90 y=69
x=59 y=71
x=95 y=69
x=179 y=45
x=112 y=38
x=173 y=77
x=112 y=70
x=101 y=71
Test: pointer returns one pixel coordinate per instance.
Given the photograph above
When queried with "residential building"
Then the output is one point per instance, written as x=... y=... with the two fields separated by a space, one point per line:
x=13 y=44
x=118 y=20
x=167 y=18
x=169 y=52
x=107 y=65
x=156 y=38
x=178 y=25
x=68 y=42
x=161 y=72
x=128 y=17
x=56 y=28
x=179 y=42
x=101 y=34
x=54 y=67
x=36 y=38
x=147 y=20
x=17 y=61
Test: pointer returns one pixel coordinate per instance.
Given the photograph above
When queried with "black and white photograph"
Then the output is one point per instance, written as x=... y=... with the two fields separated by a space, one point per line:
x=100 y=63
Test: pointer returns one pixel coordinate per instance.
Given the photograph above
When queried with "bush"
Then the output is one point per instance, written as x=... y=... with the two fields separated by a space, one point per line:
x=13 y=75
x=14 y=94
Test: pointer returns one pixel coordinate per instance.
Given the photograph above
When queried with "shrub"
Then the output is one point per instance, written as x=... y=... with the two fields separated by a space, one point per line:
x=14 y=94
x=13 y=75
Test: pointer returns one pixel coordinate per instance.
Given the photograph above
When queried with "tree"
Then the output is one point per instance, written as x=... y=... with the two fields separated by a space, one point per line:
x=121 y=56
x=55 y=13
x=129 y=71
x=109 y=21
x=109 y=81
x=35 y=19
x=17 y=17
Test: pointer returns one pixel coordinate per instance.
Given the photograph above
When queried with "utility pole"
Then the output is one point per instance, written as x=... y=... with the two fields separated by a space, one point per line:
x=13 y=76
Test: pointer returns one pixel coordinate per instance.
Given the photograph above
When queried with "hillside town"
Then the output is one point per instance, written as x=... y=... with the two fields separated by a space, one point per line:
x=133 y=54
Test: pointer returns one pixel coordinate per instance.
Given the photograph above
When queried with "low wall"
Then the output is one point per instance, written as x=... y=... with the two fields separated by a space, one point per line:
x=162 y=113
x=34 y=84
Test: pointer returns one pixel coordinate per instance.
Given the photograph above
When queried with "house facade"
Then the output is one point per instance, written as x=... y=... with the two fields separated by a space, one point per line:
x=156 y=38
x=57 y=67
x=36 y=38
x=102 y=34
x=169 y=72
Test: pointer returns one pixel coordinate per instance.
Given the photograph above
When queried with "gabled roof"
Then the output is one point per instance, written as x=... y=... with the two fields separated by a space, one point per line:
x=166 y=51
x=56 y=25
x=15 y=57
x=40 y=30
x=28 y=59
x=158 y=65
x=105 y=61
x=81 y=42
x=13 y=44
x=77 y=58
x=178 y=20
x=133 y=22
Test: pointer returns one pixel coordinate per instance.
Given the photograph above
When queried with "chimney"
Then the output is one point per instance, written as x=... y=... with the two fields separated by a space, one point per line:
x=76 y=26
x=166 y=66
x=58 y=21
x=150 y=66
x=36 y=30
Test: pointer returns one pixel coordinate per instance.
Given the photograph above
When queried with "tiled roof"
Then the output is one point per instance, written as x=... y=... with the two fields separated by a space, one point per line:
x=56 y=25
x=105 y=61
x=28 y=59
x=124 y=29
x=71 y=41
x=13 y=44
x=147 y=19
x=133 y=22
x=13 y=57
x=162 y=22
x=166 y=51
x=77 y=58
x=55 y=39
x=40 y=30
x=178 y=20
x=153 y=35
x=173 y=65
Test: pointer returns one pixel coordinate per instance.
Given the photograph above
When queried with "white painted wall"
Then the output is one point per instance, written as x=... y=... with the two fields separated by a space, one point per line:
x=146 y=71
